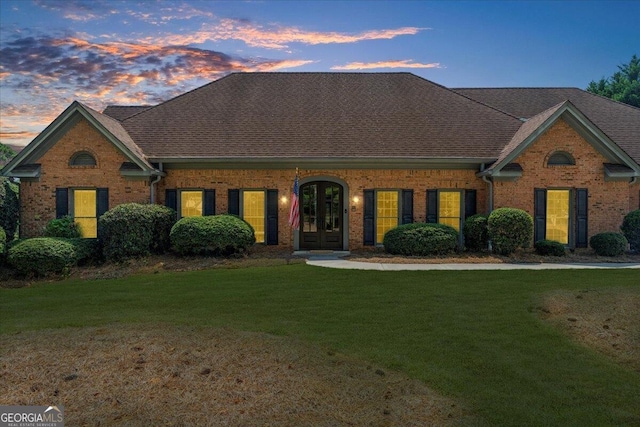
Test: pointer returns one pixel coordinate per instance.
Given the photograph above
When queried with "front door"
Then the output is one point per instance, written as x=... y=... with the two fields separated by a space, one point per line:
x=321 y=215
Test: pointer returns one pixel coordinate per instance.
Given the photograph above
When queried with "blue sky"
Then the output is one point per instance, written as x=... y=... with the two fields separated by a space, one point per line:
x=143 y=52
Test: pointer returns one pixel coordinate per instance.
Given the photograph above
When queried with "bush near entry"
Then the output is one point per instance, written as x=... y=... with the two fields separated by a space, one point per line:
x=631 y=229
x=476 y=237
x=419 y=239
x=9 y=207
x=212 y=235
x=133 y=230
x=41 y=255
x=608 y=244
x=3 y=244
x=549 y=247
x=509 y=229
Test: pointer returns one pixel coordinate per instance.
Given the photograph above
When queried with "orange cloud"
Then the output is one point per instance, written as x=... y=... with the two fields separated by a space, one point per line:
x=405 y=63
x=277 y=37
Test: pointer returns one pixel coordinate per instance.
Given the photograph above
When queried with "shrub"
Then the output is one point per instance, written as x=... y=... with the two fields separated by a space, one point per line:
x=62 y=227
x=608 y=244
x=3 y=244
x=133 y=230
x=87 y=251
x=476 y=237
x=631 y=229
x=419 y=239
x=9 y=208
x=549 y=247
x=214 y=235
x=509 y=229
x=42 y=255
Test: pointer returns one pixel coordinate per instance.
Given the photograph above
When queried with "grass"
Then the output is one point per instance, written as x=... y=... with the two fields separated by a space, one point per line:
x=473 y=335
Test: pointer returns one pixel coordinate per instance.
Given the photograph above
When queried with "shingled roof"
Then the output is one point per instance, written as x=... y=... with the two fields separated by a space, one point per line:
x=620 y=122
x=321 y=115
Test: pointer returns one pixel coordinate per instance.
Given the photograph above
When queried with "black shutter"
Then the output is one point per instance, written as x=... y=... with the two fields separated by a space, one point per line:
x=62 y=202
x=171 y=199
x=432 y=205
x=102 y=201
x=582 y=209
x=234 y=202
x=407 y=206
x=272 y=217
x=209 y=207
x=539 y=214
x=369 y=218
x=470 y=208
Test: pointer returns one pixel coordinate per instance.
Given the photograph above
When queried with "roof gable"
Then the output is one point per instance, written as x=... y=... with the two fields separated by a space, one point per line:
x=539 y=124
x=107 y=126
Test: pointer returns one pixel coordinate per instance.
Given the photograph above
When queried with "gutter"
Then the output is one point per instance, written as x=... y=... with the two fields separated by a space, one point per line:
x=489 y=182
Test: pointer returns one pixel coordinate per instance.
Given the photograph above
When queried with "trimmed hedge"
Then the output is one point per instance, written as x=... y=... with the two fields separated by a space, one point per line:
x=87 y=251
x=509 y=229
x=608 y=244
x=3 y=243
x=63 y=227
x=212 y=235
x=476 y=236
x=133 y=230
x=420 y=239
x=549 y=248
x=42 y=255
x=9 y=207
x=631 y=229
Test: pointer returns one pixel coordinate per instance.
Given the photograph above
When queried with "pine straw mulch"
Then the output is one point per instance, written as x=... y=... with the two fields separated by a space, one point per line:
x=181 y=376
x=607 y=320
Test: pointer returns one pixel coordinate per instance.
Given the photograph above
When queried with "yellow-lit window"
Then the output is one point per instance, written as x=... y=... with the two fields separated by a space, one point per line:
x=253 y=212
x=558 y=216
x=190 y=203
x=386 y=213
x=449 y=208
x=84 y=212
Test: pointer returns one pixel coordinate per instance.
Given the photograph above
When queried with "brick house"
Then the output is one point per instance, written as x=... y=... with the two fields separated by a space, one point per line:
x=373 y=150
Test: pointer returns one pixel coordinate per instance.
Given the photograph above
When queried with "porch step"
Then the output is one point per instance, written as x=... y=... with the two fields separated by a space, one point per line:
x=321 y=254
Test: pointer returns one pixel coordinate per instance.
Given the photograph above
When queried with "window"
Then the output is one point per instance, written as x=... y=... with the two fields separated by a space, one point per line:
x=387 y=213
x=85 y=212
x=82 y=158
x=561 y=158
x=449 y=212
x=190 y=203
x=253 y=211
x=558 y=216
x=561 y=215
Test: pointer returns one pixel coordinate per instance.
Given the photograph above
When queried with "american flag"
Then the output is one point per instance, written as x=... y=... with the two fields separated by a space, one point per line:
x=294 y=210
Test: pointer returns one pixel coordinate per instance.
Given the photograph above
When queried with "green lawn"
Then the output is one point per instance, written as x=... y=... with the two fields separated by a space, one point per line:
x=471 y=335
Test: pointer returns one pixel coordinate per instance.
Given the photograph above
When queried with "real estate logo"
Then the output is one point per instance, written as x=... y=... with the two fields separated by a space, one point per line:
x=32 y=416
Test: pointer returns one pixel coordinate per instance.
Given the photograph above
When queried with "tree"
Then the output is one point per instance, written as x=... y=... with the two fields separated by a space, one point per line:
x=623 y=86
x=6 y=153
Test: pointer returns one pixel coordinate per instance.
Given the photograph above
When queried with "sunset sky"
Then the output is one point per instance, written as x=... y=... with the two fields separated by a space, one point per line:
x=126 y=52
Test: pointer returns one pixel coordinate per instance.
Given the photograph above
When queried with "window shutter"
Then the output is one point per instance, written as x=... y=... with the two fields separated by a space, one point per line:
x=171 y=199
x=469 y=203
x=369 y=218
x=102 y=201
x=582 y=209
x=234 y=202
x=62 y=202
x=432 y=205
x=272 y=217
x=539 y=214
x=209 y=207
x=407 y=206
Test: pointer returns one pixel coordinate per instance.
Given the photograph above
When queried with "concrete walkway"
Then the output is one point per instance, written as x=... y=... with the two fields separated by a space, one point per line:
x=336 y=262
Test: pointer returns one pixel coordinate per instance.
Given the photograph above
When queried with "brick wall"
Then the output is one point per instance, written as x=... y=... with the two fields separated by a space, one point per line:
x=609 y=202
x=38 y=198
x=357 y=180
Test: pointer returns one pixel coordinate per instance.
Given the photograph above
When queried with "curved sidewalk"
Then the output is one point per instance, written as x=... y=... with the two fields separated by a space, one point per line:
x=358 y=265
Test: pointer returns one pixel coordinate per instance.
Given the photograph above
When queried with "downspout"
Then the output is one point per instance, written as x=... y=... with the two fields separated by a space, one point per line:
x=633 y=180
x=153 y=185
x=490 y=183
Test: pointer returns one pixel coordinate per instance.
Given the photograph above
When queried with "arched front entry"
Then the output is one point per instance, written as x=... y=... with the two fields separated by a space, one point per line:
x=323 y=217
